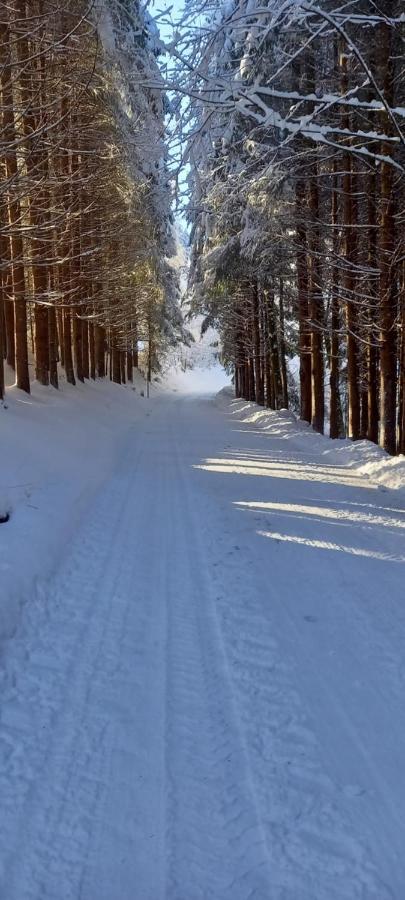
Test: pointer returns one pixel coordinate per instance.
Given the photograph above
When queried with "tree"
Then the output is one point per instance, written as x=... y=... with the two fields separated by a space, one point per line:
x=303 y=103
x=85 y=198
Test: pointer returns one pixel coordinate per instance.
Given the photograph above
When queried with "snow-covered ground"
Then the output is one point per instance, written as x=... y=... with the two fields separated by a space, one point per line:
x=198 y=380
x=205 y=700
x=364 y=456
x=56 y=448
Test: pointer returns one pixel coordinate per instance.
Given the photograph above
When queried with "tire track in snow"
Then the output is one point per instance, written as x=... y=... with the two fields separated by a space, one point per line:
x=216 y=846
x=127 y=857
x=153 y=744
x=310 y=847
x=65 y=749
x=311 y=850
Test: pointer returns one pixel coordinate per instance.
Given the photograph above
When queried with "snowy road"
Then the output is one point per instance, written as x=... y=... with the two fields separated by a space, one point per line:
x=208 y=702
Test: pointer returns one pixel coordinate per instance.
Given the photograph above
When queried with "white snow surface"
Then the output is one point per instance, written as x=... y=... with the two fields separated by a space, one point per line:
x=363 y=455
x=56 y=449
x=204 y=700
x=203 y=382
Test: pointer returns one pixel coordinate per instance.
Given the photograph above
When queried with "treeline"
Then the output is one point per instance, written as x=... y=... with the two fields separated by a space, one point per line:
x=84 y=198
x=298 y=165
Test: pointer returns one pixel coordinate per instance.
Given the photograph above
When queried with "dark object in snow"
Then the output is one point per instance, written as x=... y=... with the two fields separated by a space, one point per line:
x=4 y=517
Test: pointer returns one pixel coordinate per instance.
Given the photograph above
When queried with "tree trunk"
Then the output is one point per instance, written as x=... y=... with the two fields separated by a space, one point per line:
x=256 y=344
x=78 y=346
x=67 y=346
x=303 y=312
x=283 y=360
x=336 y=429
x=401 y=410
x=388 y=296
x=92 y=351
x=6 y=277
x=269 y=381
x=85 y=348
x=372 y=348
x=116 y=365
x=9 y=319
x=250 y=392
x=2 y=344
x=53 y=347
x=316 y=313
x=37 y=170
x=14 y=213
x=135 y=344
x=236 y=381
x=350 y=256
x=60 y=337
x=274 y=350
x=100 y=351
x=130 y=377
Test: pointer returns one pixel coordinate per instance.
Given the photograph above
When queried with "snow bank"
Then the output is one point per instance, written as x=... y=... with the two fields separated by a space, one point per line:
x=56 y=448
x=364 y=456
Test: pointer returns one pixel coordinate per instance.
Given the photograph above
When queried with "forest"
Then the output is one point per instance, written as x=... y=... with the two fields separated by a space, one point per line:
x=281 y=125
x=85 y=202
x=202 y=450
x=296 y=151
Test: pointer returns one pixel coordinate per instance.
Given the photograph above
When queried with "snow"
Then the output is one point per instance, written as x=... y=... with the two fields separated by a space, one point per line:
x=56 y=448
x=363 y=456
x=196 y=368
x=205 y=698
x=198 y=381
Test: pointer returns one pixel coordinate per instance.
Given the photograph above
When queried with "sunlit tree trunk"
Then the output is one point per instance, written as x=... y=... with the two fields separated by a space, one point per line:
x=39 y=200
x=372 y=348
x=401 y=409
x=14 y=211
x=256 y=343
x=388 y=294
x=283 y=359
x=316 y=312
x=92 y=351
x=6 y=279
x=2 y=342
x=302 y=304
x=130 y=377
x=336 y=429
x=349 y=278
x=274 y=349
x=53 y=348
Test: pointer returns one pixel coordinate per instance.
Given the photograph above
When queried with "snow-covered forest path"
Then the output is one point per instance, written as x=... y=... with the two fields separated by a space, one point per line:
x=208 y=701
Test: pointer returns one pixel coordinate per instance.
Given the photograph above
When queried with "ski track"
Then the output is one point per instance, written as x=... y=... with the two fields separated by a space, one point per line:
x=206 y=703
